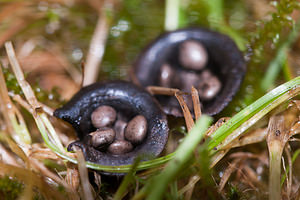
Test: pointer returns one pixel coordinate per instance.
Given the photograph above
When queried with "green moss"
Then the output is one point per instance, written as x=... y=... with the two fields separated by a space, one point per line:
x=234 y=193
x=10 y=188
x=263 y=45
x=51 y=98
x=11 y=82
x=271 y=32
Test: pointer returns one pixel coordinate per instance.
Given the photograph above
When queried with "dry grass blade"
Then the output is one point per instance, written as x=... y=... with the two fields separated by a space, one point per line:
x=295 y=129
x=84 y=178
x=22 y=102
x=217 y=125
x=72 y=178
x=255 y=136
x=43 y=153
x=41 y=119
x=186 y=112
x=28 y=92
x=252 y=176
x=289 y=181
x=189 y=188
x=15 y=124
x=13 y=118
x=6 y=156
x=196 y=103
x=157 y=90
x=217 y=157
x=40 y=167
x=279 y=132
x=97 y=46
x=227 y=173
x=276 y=140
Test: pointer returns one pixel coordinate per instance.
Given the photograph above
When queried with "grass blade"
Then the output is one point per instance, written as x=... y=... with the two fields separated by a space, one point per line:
x=262 y=106
x=159 y=183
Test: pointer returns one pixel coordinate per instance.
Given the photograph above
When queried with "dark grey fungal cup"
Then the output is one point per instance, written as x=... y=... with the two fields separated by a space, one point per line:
x=224 y=61
x=127 y=99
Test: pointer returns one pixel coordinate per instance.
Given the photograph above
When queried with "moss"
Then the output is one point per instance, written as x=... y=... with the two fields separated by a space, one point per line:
x=271 y=32
x=10 y=188
x=51 y=98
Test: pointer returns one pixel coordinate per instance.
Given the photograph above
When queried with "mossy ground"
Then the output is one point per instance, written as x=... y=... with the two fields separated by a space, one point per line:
x=52 y=39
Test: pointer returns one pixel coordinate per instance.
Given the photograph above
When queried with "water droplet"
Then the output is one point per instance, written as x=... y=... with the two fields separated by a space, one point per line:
x=77 y=54
x=9 y=106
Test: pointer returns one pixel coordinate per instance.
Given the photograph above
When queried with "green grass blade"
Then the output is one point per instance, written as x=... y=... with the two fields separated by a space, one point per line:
x=159 y=183
x=295 y=155
x=126 y=181
x=172 y=14
x=263 y=104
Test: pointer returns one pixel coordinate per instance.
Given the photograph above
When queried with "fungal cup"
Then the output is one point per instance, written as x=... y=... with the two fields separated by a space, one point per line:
x=208 y=60
x=129 y=101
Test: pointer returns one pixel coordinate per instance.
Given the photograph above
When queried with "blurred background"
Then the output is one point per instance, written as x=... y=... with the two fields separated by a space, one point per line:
x=54 y=39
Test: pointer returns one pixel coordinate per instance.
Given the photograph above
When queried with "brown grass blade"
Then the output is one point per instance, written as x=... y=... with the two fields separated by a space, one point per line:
x=196 y=103
x=186 y=112
x=156 y=90
x=97 y=46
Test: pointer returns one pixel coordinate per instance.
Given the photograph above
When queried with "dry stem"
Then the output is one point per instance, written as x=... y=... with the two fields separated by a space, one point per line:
x=186 y=112
x=97 y=46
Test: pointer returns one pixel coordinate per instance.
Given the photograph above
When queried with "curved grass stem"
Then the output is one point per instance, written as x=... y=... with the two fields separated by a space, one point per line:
x=238 y=122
